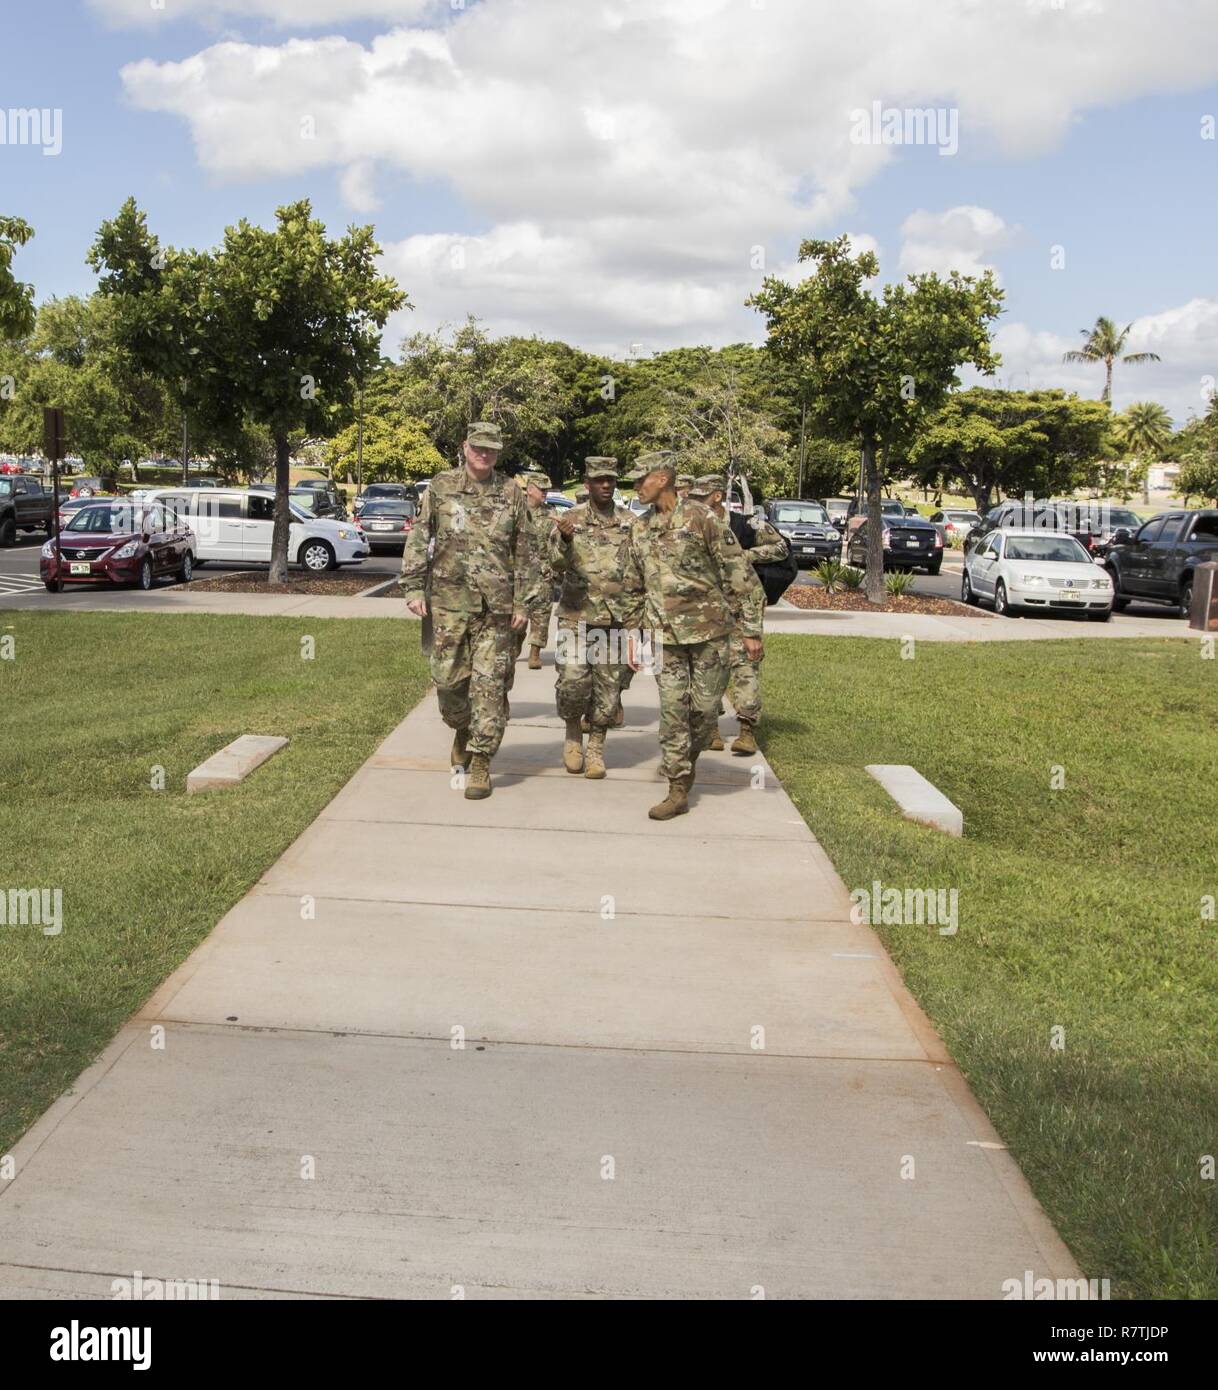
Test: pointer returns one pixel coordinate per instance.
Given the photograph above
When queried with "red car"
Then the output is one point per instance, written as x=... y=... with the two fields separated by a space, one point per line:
x=120 y=543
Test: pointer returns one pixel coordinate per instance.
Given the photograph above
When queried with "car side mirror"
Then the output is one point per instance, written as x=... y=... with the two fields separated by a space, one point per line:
x=1122 y=536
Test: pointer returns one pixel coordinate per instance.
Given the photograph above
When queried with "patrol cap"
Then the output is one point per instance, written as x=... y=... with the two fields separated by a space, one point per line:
x=598 y=466
x=708 y=483
x=581 y=494
x=685 y=479
x=651 y=463
x=484 y=434
x=537 y=478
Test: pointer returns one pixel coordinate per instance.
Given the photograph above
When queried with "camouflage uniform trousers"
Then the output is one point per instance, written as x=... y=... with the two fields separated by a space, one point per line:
x=471 y=658
x=744 y=681
x=537 y=633
x=692 y=678
x=587 y=684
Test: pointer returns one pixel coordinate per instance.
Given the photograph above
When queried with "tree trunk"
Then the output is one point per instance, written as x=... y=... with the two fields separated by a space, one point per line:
x=875 y=524
x=279 y=532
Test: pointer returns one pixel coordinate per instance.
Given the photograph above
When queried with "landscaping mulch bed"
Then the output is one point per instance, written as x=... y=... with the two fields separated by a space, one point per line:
x=306 y=585
x=854 y=600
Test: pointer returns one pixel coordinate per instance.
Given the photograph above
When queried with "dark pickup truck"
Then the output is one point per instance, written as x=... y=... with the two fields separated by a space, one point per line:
x=1157 y=561
x=24 y=506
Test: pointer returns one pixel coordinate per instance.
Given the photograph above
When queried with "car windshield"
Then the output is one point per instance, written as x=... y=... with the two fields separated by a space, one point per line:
x=104 y=521
x=962 y=516
x=1118 y=516
x=6 y=487
x=892 y=508
x=1058 y=549
x=805 y=513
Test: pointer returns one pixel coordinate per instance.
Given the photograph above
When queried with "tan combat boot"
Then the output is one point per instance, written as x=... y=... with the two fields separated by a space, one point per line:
x=460 y=755
x=716 y=743
x=744 y=742
x=573 y=747
x=676 y=803
x=478 y=780
x=534 y=658
x=594 y=761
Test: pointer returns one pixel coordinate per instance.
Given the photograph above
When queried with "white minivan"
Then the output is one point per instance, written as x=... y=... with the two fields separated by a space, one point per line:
x=236 y=524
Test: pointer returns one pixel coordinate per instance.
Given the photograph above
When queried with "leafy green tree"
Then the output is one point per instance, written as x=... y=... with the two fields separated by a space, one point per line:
x=986 y=440
x=1144 y=432
x=446 y=383
x=875 y=368
x=275 y=328
x=1106 y=343
x=396 y=444
x=16 y=298
x=1196 y=447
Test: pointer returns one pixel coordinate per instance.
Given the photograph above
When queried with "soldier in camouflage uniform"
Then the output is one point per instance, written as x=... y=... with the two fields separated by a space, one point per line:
x=689 y=585
x=588 y=552
x=541 y=521
x=476 y=585
x=744 y=678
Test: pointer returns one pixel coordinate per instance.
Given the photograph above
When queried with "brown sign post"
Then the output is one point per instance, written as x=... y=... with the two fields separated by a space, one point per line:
x=53 y=437
x=1203 y=615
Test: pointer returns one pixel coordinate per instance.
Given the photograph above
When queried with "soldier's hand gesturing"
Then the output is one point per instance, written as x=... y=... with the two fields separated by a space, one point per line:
x=418 y=607
x=566 y=526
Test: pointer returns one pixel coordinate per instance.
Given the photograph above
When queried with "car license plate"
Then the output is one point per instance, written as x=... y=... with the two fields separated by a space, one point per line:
x=807 y=547
x=380 y=526
x=914 y=544
x=85 y=568
x=1070 y=596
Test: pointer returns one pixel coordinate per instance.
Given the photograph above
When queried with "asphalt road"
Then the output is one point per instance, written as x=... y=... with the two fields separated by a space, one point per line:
x=19 y=575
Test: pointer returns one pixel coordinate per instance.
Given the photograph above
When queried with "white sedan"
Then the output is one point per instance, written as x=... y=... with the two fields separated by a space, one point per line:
x=1036 y=570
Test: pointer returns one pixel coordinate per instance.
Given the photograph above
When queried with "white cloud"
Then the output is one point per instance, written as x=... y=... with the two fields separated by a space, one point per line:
x=625 y=158
x=962 y=239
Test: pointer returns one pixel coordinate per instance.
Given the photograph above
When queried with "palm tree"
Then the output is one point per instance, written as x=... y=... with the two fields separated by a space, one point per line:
x=1104 y=345
x=1144 y=429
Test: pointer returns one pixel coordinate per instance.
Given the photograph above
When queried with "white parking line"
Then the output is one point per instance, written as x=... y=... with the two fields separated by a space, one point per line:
x=19 y=583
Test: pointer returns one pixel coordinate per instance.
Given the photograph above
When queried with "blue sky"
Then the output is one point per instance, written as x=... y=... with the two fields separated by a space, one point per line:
x=1100 y=153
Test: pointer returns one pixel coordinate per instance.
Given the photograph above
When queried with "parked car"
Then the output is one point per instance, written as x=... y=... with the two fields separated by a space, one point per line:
x=380 y=492
x=909 y=543
x=203 y=482
x=891 y=508
x=807 y=526
x=1158 y=560
x=955 y=523
x=1072 y=518
x=1030 y=569
x=327 y=500
x=387 y=522
x=120 y=542
x=92 y=486
x=838 y=509
x=236 y=523
x=559 y=500
x=1110 y=521
x=24 y=506
x=69 y=506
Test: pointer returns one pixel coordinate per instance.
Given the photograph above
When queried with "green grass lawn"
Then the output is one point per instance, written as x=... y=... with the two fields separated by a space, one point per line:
x=93 y=702
x=1079 y=908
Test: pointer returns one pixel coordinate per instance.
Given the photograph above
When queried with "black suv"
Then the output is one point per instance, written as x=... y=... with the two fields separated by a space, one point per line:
x=910 y=542
x=806 y=525
x=1157 y=561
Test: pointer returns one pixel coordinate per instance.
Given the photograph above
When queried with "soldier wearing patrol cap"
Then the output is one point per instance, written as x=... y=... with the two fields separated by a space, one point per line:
x=762 y=545
x=587 y=551
x=541 y=522
x=684 y=483
x=468 y=566
x=689 y=585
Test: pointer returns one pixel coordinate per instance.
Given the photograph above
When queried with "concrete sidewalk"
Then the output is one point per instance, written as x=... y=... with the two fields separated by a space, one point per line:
x=616 y=1125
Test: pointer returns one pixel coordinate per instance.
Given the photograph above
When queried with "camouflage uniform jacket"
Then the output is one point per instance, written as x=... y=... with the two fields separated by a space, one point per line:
x=687 y=577
x=592 y=565
x=541 y=527
x=482 y=556
x=769 y=547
